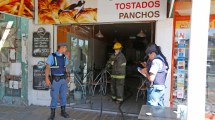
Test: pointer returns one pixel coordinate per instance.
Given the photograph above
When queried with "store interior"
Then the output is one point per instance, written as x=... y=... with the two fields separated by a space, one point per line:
x=90 y=46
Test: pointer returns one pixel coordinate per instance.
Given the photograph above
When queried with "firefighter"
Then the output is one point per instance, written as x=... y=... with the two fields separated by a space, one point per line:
x=117 y=64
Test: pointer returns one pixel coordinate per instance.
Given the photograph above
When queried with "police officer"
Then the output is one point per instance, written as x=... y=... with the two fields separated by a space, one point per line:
x=117 y=62
x=56 y=65
x=156 y=74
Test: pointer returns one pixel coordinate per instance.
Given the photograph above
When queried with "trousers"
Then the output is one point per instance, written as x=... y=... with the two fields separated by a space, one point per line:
x=155 y=95
x=117 y=89
x=58 y=88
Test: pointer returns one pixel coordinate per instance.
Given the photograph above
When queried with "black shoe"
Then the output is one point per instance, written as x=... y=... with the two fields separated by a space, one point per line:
x=51 y=117
x=63 y=112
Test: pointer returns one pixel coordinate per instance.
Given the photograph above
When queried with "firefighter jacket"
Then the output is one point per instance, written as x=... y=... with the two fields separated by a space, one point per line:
x=117 y=64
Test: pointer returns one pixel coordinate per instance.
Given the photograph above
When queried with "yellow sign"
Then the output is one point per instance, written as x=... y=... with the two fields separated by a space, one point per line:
x=183 y=24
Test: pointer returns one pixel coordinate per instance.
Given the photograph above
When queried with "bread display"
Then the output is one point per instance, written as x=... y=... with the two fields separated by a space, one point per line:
x=62 y=12
x=23 y=8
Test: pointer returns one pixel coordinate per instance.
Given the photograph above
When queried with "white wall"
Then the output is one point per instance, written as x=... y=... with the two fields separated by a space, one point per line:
x=37 y=97
x=163 y=38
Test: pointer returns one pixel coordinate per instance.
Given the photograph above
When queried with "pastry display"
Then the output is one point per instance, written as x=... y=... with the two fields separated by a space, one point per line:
x=63 y=12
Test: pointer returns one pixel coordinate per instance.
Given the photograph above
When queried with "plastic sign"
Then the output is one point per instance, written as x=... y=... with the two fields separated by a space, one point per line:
x=98 y=11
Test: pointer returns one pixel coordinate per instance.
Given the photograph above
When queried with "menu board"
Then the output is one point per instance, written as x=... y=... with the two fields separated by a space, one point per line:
x=41 y=43
x=39 y=78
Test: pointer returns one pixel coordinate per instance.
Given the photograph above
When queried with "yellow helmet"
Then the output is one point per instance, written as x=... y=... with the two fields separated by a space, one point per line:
x=117 y=45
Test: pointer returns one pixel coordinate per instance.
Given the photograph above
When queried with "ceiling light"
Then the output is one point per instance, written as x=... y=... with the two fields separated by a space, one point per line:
x=141 y=34
x=99 y=34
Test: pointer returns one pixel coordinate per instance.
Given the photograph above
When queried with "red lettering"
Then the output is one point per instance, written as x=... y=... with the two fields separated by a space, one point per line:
x=157 y=3
x=157 y=13
x=144 y=4
x=150 y=4
x=133 y=3
x=128 y=6
x=117 y=4
x=181 y=35
x=138 y=5
x=122 y=6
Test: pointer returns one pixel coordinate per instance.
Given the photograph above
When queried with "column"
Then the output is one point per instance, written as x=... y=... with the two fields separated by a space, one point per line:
x=198 y=59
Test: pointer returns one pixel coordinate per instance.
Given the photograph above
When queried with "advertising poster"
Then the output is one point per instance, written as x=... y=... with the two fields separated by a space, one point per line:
x=181 y=52
x=181 y=66
x=94 y=11
x=23 y=8
x=66 y=11
x=180 y=92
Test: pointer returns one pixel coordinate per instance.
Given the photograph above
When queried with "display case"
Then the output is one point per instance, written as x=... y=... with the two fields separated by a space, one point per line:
x=181 y=60
x=181 y=48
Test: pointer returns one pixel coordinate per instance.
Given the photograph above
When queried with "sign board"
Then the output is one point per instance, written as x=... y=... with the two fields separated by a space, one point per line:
x=41 y=43
x=97 y=11
x=39 y=78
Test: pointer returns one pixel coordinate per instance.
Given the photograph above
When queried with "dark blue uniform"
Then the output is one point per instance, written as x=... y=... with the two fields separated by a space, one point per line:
x=58 y=64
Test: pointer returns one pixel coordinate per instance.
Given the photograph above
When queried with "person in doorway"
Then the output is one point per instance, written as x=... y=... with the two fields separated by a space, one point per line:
x=117 y=63
x=56 y=65
x=156 y=74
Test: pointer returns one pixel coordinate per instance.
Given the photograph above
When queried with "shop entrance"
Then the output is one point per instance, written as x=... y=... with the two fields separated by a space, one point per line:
x=90 y=47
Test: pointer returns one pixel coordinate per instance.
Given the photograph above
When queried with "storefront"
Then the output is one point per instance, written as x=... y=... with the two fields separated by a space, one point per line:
x=85 y=47
x=121 y=21
x=88 y=50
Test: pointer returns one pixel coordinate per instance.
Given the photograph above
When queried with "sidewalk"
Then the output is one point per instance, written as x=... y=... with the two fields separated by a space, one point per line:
x=42 y=113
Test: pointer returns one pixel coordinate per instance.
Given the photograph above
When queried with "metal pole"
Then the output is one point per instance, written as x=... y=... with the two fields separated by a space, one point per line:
x=198 y=59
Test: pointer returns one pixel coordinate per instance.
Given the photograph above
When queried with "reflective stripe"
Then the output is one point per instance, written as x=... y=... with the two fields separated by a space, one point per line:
x=55 y=67
x=118 y=76
x=123 y=64
x=64 y=61
x=113 y=97
x=119 y=99
x=55 y=61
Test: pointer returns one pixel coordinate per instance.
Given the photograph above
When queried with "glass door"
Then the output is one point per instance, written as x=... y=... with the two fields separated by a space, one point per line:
x=79 y=70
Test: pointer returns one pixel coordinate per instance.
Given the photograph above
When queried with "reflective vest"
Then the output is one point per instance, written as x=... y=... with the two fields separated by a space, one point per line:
x=58 y=68
x=160 y=77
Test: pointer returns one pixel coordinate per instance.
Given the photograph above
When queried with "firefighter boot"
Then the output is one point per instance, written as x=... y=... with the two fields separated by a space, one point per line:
x=52 y=114
x=63 y=112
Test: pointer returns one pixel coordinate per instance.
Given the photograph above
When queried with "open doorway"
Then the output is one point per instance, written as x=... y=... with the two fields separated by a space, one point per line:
x=90 y=46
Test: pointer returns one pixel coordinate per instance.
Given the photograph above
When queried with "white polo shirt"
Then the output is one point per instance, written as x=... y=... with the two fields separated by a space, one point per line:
x=156 y=66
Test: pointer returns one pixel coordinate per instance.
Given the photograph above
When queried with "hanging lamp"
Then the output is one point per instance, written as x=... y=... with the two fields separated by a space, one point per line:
x=99 y=34
x=141 y=34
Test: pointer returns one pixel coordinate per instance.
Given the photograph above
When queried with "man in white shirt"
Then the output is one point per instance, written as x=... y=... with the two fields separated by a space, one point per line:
x=156 y=74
